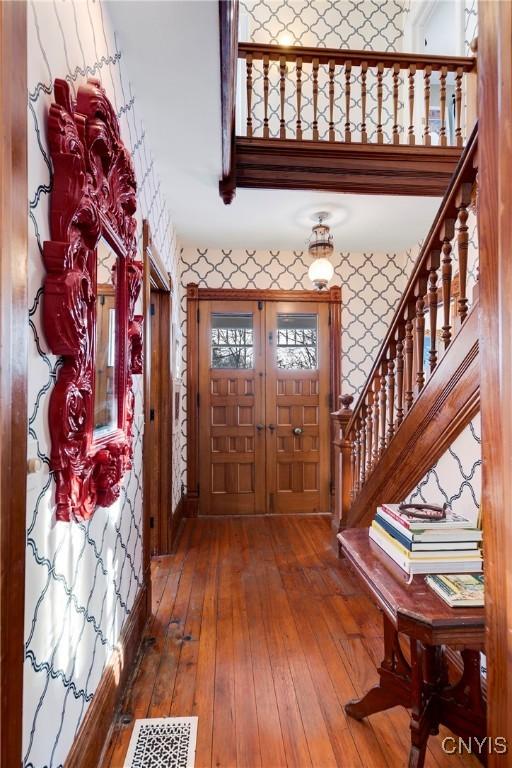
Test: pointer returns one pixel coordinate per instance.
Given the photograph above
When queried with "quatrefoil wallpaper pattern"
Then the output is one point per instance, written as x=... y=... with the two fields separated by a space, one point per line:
x=327 y=24
x=81 y=578
x=371 y=285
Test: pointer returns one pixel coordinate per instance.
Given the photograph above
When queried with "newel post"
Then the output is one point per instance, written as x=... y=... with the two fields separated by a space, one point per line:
x=342 y=448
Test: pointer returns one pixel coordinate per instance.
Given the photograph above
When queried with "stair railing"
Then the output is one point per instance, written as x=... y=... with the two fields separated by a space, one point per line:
x=433 y=308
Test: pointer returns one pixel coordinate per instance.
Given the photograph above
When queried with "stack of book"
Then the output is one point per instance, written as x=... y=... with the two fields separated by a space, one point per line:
x=463 y=590
x=450 y=545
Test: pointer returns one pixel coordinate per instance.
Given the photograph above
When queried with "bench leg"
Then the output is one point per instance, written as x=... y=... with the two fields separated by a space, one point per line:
x=394 y=687
x=426 y=671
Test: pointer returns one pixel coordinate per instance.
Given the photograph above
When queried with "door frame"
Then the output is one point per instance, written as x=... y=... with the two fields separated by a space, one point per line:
x=156 y=278
x=194 y=297
x=495 y=286
x=14 y=334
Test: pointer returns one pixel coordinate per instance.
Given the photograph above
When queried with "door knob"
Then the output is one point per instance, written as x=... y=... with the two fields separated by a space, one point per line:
x=259 y=427
x=271 y=427
x=297 y=430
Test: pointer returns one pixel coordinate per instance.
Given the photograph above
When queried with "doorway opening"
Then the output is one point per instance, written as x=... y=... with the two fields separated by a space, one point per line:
x=263 y=377
x=157 y=401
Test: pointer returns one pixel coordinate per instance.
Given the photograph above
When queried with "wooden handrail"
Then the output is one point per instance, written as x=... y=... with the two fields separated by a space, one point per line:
x=340 y=56
x=404 y=98
x=413 y=404
x=465 y=173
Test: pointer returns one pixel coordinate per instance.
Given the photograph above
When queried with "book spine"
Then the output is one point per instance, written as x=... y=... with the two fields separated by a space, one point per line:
x=385 y=546
x=396 y=516
x=440 y=586
x=442 y=556
x=392 y=530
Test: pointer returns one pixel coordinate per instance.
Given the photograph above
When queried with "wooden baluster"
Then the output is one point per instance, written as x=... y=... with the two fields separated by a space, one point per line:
x=342 y=448
x=376 y=420
x=432 y=266
x=248 y=64
x=426 y=75
x=458 y=106
x=442 y=132
x=391 y=390
x=364 y=69
x=363 y=445
x=462 y=201
x=408 y=351
x=265 y=96
x=348 y=70
x=396 y=73
x=382 y=407
x=315 y=99
x=421 y=289
x=331 y=100
x=447 y=233
x=358 y=455
x=412 y=74
x=353 y=491
x=282 y=81
x=369 y=431
x=298 y=66
x=380 y=70
x=400 y=333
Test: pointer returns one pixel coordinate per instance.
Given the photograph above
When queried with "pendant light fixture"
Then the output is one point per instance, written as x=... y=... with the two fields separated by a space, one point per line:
x=321 y=249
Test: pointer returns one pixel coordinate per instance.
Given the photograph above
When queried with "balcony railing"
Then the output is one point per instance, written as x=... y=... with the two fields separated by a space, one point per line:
x=355 y=96
x=341 y=120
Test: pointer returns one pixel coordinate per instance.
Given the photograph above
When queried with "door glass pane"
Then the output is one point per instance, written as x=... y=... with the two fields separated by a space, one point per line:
x=232 y=341
x=297 y=338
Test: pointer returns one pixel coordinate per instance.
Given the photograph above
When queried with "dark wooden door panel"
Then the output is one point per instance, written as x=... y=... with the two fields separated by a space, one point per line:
x=232 y=448
x=297 y=407
x=263 y=407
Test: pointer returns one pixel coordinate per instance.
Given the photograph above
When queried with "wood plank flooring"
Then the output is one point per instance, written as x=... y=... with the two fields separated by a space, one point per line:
x=263 y=633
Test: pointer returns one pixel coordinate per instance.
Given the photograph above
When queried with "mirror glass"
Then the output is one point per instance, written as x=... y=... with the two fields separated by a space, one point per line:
x=105 y=385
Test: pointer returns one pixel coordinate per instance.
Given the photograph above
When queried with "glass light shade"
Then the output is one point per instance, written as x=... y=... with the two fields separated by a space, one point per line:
x=320 y=272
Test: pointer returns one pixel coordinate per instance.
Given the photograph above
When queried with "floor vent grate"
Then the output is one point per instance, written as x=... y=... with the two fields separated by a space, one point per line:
x=163 y=742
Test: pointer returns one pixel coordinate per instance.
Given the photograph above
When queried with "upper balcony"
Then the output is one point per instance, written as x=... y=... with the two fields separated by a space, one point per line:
x=341 y=120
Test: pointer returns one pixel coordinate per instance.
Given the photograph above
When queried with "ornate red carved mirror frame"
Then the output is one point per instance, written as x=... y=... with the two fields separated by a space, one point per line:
x=93 y=202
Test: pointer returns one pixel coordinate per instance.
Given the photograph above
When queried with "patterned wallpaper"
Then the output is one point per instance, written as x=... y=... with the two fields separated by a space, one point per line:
x=371 y=285
x=355 y=24
x=470 y=23
x=456 y=477
x=81 y=578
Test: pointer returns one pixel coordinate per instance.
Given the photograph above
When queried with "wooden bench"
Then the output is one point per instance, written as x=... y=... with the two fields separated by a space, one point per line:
x=410 y=607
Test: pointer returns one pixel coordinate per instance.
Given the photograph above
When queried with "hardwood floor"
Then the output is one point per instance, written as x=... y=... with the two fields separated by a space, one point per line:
x=262 y=632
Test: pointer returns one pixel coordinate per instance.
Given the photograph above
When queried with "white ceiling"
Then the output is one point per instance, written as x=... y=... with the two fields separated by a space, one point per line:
x=171 y=54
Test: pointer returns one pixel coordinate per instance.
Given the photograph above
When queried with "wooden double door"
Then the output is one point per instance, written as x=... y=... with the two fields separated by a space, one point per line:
x=263 y=407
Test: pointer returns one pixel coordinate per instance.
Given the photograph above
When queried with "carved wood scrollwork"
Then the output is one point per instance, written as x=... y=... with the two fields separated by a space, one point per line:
x=93 y=196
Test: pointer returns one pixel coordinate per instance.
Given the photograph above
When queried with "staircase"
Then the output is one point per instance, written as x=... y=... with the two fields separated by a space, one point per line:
x=424 y=387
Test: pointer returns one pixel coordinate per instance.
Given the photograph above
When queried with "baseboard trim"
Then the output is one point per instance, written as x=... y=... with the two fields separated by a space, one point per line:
x=93 y=732
x=191 y=505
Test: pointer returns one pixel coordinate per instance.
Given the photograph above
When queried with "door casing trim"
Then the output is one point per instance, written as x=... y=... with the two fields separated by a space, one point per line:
x=194 y=297
x=156 y=278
